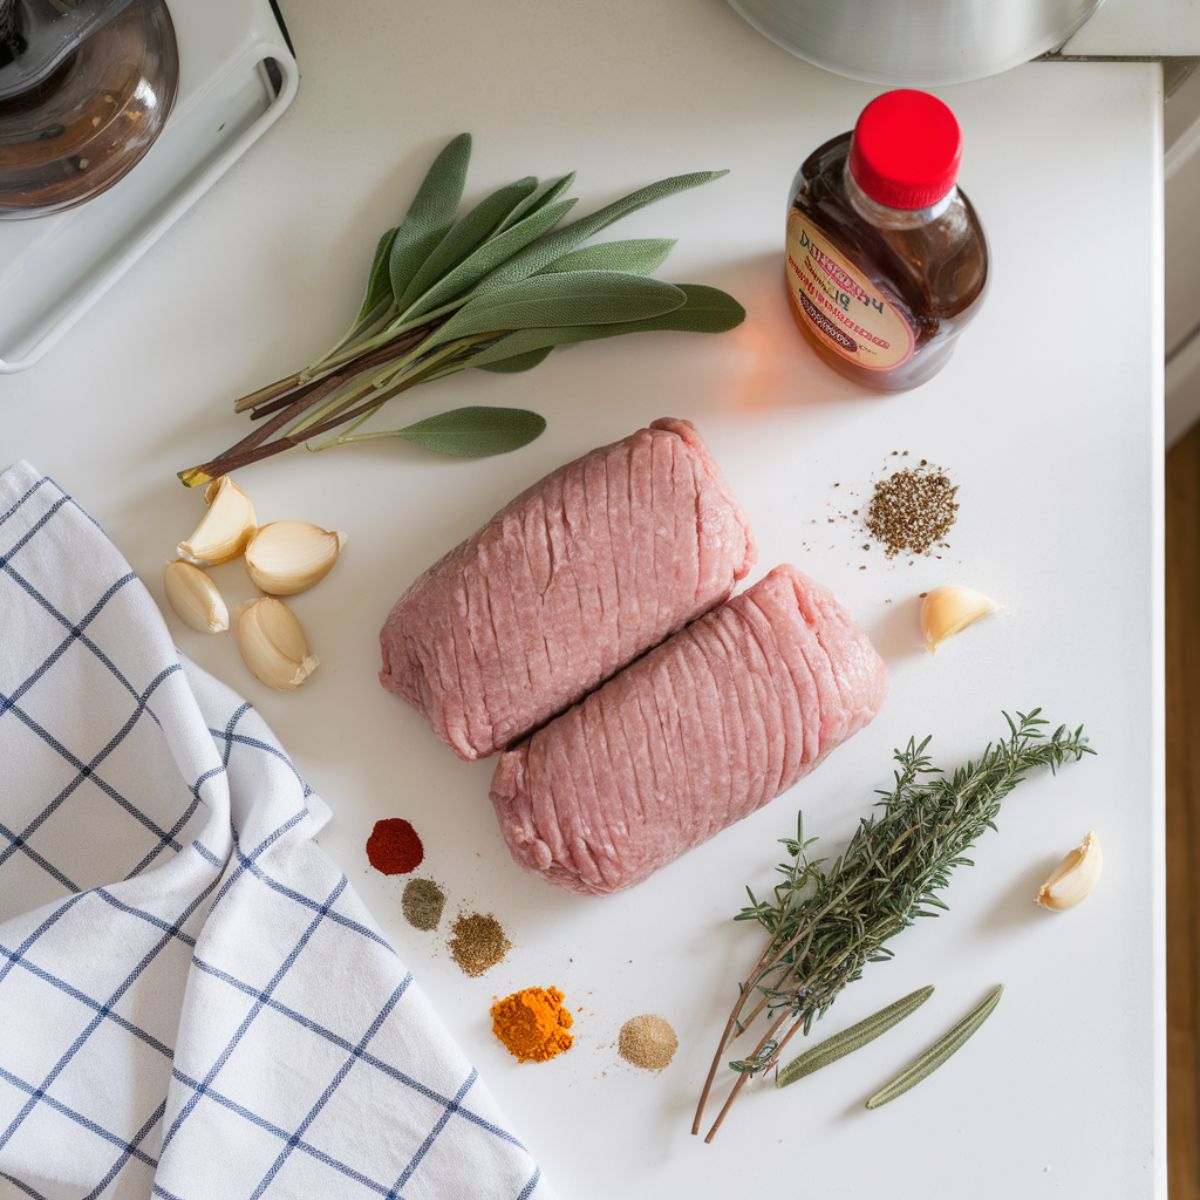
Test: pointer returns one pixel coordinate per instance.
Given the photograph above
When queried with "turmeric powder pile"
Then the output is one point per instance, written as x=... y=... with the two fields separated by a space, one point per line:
x=533 y=1024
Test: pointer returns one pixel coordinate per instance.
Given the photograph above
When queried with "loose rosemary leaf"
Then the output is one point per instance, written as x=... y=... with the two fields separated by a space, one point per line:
x=949 y=1043
x=470 y=432
x=465 y=236
x=544 y=251
x=431 y=213
x=854 y=1038
x=704 y=310
x=639 y=256
x=581 y=297
x=497 y=249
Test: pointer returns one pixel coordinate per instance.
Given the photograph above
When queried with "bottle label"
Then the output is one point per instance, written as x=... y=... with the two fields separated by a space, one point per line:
x=840 y=304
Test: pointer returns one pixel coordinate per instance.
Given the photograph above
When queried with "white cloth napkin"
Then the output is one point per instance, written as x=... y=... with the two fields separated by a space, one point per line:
x=194 y=1003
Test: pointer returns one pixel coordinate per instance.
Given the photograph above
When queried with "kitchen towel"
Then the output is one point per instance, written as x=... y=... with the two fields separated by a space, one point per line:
x=194 y=1004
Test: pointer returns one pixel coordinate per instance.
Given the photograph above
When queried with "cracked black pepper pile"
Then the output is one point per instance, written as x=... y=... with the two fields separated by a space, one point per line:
x=912 y=510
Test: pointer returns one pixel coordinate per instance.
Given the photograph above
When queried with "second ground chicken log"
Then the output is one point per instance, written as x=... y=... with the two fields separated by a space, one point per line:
x=697 y=734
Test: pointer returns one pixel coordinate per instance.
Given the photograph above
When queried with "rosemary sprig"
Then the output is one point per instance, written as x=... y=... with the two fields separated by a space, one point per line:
x=497 y=289
x=826 y=921
x=949 y=1043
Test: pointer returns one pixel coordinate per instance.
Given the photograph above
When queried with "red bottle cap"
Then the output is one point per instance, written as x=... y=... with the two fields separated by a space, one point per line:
x=906 y=149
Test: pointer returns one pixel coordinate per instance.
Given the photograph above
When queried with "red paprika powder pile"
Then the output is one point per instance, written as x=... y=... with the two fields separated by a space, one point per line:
x=394 y=847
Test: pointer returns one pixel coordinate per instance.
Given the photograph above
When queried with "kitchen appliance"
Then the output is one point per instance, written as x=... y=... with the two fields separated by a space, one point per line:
x=85 y=88
x=115 y=117
x=917 y=43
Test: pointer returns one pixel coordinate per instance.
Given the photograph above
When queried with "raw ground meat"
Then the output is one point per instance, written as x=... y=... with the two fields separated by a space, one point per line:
x=575 y=578
x=699 y=733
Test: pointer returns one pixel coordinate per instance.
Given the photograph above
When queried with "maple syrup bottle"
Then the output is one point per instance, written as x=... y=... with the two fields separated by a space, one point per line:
x=886 y=259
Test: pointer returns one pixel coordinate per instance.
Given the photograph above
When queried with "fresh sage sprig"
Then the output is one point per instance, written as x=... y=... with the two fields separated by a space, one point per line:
x=826 y=921
x=854 y=1038
x=949 y=1043
x=497 y=288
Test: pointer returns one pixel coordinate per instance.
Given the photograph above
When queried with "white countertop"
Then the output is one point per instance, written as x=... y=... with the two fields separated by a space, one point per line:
x=1135 y=29
x=1047 y=417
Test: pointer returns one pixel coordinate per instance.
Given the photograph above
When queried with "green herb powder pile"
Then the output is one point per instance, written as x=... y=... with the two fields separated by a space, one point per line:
x=422 y=903
x=477 y=942
x=913 y=510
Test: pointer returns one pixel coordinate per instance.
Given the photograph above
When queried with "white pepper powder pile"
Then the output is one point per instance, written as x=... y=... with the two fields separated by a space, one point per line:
x=648 y=1042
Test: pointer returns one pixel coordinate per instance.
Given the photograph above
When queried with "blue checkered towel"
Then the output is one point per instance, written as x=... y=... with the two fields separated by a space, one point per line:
x=194 y=1004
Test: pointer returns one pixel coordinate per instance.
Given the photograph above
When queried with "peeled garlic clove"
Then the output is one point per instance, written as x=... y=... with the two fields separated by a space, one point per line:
x=225 y=529
x=946 y=611
x=286 y=557
x=195 y=597
x=273 y=645
x=1074 y=877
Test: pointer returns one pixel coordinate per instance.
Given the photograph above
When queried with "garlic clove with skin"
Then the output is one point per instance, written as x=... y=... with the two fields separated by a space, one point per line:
x=225 y=529
x=287 y=557
x=946 y=611
x=1073 y=879
x=195 y=598
x=273 y=645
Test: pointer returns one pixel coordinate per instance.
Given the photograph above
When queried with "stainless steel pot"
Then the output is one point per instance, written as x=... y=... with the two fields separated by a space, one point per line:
x=917 y=42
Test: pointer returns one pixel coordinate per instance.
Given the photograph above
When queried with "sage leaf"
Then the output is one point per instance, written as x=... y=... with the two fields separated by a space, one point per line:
x=379 y=283
x=488 y=256
x=639 y=256
x=520 y=362
x=704 y=310
x=951 y=1041
x=431 y=214
x=464 y=236
x=543 y=252
x=473 y=432
x=854 y=1038
x=537 y=201
x=581 y=297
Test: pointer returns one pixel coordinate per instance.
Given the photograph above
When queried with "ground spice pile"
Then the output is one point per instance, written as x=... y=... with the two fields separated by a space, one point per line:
x=912 y=510
x=648 y=1042
x=422 y=903
x=478 y=942
x=533 y=1024
x=394 y=847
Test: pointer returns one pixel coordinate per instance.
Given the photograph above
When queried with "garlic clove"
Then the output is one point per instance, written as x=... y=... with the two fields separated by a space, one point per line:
x=1073 y=879
x=225 y=529
x=273 y=645
x=946 y=611
x=195 y=598
x=287 y=557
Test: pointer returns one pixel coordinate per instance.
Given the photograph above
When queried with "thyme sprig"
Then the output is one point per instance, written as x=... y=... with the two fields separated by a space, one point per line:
x=497 y=289
x=828 y=919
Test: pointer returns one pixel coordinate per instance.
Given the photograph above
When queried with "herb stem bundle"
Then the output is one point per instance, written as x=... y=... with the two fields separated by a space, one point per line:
x=826 y=921
x=498 y=288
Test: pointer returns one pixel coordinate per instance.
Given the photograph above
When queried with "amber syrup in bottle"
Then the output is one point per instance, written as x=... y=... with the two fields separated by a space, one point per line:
x=886 y=259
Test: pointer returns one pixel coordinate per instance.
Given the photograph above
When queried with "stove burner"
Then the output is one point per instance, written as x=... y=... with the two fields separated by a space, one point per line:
x=11 y=41
x=85 y=88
